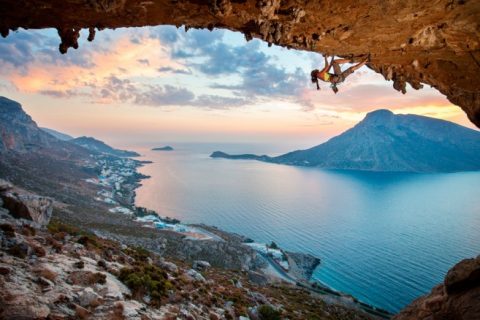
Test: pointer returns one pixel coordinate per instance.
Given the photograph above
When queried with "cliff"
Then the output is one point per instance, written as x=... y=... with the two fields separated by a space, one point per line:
x=412 y=41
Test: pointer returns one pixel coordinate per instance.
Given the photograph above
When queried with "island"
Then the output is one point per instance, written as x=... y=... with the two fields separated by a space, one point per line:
x=166 y=148
x=220 y=154
x=388 y=142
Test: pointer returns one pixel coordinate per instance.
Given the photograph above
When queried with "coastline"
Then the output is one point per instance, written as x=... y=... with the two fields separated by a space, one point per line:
x=201 y=233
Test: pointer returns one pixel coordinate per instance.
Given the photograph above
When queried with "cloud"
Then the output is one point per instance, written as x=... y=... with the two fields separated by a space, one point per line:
x=165 y=66
x=165 y=96
x=144 y=61
x=256 y=74
x=175 y=71
x=166 y=34
x=58 y=93
x=18 y=50
x=219 y=102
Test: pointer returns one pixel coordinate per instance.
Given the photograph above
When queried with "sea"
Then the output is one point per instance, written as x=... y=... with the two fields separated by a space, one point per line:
x=384 y=238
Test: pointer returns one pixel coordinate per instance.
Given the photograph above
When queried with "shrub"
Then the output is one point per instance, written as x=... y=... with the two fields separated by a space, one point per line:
x=56 y=226
x=266 y=312
x=146 y=280
x=140 y=254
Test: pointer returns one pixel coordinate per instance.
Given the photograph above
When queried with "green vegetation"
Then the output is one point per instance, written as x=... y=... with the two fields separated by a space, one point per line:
x=55 y=226
x=146 y=279
x=267 y=312
x=138 y=253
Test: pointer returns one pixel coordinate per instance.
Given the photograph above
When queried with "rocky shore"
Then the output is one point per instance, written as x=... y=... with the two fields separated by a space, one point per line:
x=50 y=270
x=225 y=250
x=119 y=178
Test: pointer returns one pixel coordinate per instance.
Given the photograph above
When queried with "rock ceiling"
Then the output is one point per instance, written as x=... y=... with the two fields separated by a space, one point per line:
x=436 y=42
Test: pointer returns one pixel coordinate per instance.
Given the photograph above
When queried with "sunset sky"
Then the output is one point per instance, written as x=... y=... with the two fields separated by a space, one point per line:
x=163 y=85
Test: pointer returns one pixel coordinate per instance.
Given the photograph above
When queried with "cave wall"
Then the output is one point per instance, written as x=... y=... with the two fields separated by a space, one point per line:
x=411 y=41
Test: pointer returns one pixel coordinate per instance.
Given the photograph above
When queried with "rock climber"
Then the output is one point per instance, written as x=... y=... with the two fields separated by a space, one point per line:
x=339 y=75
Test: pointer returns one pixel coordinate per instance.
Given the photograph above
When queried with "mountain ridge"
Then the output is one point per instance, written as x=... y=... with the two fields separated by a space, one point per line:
x=384 y=141
x=57 y=134
x=96 y=145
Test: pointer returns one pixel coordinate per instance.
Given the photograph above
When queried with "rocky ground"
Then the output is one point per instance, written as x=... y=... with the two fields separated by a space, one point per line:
x=62 y=272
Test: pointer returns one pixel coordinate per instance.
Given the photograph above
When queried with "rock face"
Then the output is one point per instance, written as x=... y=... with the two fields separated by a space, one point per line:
x=411 y=41
x=25 y=205
x=384 y=141
x=302 y=265
x=457 y=298
x=18 y=131
x=29 y=207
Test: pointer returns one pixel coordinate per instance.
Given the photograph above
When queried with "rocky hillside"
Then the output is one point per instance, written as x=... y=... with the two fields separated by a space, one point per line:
x=384 y=141
x=63 y=272
x=35 y=160
x=59 y=135
x=411 y=41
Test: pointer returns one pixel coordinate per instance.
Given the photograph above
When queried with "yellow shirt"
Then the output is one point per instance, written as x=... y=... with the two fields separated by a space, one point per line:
x=325 y=76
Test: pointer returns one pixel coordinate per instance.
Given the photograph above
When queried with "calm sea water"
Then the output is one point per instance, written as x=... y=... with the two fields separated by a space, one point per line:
x=384 y=238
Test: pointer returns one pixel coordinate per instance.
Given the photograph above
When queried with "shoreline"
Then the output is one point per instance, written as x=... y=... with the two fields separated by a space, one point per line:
x=127 y=167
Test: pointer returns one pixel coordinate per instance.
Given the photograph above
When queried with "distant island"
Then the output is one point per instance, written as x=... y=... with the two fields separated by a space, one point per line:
x=220 y=154
x=166 y=148
x=387 y=142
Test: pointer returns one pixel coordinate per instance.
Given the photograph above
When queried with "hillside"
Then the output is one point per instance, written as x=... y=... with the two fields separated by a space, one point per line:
x=57 y=134
x=95 y=145
x=383 y=141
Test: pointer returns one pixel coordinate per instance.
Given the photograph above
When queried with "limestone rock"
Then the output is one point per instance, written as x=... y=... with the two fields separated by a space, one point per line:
x=28 y=206
x=5 y=185
x=257 y=278
x=19 y=306
x=197 y=276
x=170 y=266
x=88 y=297
x=457 y=298
x=200 y=265
x=464 y=275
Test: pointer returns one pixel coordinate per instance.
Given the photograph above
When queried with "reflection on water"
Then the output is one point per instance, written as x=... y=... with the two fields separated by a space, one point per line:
x=384 y=238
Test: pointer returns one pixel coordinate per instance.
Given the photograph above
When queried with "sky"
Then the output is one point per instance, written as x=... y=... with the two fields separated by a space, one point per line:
x=154 y=85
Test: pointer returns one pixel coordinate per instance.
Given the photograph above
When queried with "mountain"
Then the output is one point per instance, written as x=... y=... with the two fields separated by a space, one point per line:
x=166 y=148
x=59 y=135
x=36 y=160
x=383 y=141
x=20 y=134
x=95 y=145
